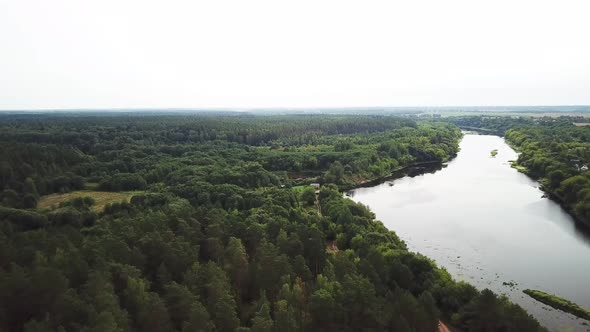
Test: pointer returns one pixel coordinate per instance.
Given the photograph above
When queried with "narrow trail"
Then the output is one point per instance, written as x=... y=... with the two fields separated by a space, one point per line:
x=317 y=203
x=442 y=327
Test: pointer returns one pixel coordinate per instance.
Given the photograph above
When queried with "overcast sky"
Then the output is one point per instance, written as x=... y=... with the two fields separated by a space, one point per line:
x=195 y=54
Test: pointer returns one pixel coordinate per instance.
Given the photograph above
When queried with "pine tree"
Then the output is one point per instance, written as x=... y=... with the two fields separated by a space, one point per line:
x=262 y=321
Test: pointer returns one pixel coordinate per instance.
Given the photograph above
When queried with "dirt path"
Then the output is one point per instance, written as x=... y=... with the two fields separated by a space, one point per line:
x=442 y=327
x=317 y=202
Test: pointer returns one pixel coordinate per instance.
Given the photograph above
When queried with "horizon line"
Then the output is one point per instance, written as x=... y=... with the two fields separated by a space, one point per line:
x=254 y=108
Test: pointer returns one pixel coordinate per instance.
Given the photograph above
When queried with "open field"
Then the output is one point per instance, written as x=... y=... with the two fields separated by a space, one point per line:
x=299 y=189
x=101 y=198
x=445 y=114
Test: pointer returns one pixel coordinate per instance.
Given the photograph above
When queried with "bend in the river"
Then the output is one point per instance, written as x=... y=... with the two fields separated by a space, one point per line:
x=490 y=225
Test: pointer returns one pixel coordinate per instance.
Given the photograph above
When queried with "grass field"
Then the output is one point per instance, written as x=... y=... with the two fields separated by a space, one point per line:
x=299 y=189
x=514 y=114
x=101 y=198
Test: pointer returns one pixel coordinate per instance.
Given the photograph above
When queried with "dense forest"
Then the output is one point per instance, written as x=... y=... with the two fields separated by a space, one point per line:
x=553 y=150
x=221 y=230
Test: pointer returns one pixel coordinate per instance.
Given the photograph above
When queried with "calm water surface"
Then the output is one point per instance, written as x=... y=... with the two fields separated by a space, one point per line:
x=488 y=224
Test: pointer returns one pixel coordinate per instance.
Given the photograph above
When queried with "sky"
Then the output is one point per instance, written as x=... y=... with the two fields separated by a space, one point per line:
x=63 y=54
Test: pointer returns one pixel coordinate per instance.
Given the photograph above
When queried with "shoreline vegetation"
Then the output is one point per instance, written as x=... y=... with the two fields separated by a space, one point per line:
x=559 y=303
x=415 y=169
x=420 y=167
x=579 y=220
x=552 y=151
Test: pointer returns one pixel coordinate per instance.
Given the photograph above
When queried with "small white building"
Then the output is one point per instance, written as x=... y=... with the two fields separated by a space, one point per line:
x=316 y=186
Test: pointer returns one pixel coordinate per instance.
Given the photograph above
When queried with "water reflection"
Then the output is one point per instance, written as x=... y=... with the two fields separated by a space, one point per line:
x=412 y=171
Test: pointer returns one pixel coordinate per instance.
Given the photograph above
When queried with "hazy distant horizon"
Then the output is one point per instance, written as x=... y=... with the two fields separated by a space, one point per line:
x=467 y=108
x=66 y=54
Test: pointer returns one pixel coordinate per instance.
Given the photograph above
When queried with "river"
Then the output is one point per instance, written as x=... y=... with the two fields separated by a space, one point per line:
x=489 y=225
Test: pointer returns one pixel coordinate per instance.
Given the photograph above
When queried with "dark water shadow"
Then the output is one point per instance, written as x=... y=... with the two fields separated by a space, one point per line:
x=410 y=171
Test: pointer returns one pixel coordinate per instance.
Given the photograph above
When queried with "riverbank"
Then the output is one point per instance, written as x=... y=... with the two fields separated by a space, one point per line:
x=421 y=167
x=360 y=182
x=582 y=222
x=482 y=130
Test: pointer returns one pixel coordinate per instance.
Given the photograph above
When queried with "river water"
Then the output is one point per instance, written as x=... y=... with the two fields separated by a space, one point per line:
x=488 y=224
